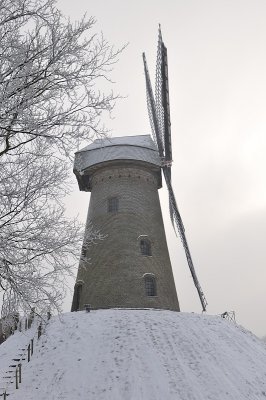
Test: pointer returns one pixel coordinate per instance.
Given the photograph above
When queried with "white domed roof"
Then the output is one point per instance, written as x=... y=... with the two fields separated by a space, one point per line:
x=126 y=148
x=139 y=148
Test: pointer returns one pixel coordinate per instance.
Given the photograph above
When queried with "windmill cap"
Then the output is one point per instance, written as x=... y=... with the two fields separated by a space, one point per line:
x=136 y=140
x=139 y=148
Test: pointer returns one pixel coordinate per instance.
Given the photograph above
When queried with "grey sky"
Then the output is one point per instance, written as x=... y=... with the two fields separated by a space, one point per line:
x=217 y=73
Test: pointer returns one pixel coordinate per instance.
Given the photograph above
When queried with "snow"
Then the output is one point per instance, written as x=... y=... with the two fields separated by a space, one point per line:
x=136 y=140
x=140 y=354
x=140 y=147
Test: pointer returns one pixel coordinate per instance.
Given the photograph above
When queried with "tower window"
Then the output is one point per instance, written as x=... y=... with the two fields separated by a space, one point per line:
x=150 y=285
x=79 y=290
x=145 y=247
x=77 y=296
x=83 y=252
x=112 y=206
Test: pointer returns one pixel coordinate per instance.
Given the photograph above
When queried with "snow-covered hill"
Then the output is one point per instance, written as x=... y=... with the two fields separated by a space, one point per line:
x=141 y=354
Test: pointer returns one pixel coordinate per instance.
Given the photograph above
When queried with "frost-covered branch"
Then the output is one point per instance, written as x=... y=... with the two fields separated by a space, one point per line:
x=48 y=72
x=51 y=73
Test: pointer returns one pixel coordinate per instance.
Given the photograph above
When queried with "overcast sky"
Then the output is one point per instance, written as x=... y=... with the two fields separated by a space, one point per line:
x=217 y=76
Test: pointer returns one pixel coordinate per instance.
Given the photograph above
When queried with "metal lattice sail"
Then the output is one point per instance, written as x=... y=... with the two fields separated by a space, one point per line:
x=159 y=115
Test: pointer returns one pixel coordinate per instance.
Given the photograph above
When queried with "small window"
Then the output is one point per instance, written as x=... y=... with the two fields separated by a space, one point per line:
x=150 y=285
x=145 y=247
x=79 y=290
x=77 y=297
x=83 y=252
x=112 y=205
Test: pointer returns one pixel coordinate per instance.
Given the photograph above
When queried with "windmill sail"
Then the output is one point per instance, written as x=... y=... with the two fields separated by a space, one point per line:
x=159 y=115
x=152 y=110
x=162 y=98
x=163 y=110
x=181 y=230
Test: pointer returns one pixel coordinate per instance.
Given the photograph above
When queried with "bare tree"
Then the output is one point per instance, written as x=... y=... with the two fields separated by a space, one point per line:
x=50 y=74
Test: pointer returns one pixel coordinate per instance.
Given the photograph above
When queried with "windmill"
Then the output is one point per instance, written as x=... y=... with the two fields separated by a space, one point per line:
x=131 y=267
x=159 y=115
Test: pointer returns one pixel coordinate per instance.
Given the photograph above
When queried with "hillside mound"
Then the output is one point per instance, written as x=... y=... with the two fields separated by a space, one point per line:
x=141 y=354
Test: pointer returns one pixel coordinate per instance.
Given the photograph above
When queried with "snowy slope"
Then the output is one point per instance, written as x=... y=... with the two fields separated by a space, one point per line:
x=143 y=354
x=12 y=347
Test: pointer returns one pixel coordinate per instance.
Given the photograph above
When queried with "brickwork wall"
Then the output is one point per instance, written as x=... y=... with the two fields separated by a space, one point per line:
x=113 y=273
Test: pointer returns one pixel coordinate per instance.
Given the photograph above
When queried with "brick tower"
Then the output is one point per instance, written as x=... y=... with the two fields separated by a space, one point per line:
x=131 y=266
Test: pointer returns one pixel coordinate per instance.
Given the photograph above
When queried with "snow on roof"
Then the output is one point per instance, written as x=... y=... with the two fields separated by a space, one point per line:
x=139 y=148
x=137 y=140
x=140 y=354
